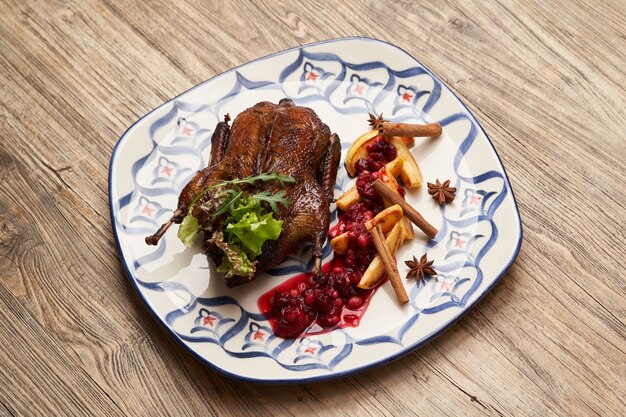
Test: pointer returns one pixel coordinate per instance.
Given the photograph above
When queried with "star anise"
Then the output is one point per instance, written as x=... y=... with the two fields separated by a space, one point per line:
x=443 y=193
x=420 y=269
x=376 y=122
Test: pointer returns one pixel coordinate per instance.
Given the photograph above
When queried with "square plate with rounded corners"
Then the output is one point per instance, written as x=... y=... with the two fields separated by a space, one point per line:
x=342 y=80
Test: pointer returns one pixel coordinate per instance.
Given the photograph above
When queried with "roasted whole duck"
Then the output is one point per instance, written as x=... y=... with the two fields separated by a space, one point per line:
x=282 y=138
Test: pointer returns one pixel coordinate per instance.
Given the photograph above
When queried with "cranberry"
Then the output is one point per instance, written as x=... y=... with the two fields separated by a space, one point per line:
x=355 y=302
x=390 y=153
x=363 y=257
x=354 y=277
x=291 y=314
x=364 y=240
x=329 y=320
x=358 y=238
x=365 y=189
x=366 y=165
x=362 y=164
x=377 y=156
x=363 y=180
x=370 y=164
x=324 y=299
x=375 y=146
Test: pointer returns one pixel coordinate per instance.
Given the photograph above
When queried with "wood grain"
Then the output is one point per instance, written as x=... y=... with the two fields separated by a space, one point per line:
x=545 y=79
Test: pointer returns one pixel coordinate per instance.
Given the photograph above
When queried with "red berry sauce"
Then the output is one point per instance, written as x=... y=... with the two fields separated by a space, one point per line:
x=304 y=304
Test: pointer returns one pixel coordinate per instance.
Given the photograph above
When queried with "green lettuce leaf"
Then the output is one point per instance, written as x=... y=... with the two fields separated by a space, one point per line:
x=253 y=231
x=245 y=208
x=250 y=227
x=188 y=230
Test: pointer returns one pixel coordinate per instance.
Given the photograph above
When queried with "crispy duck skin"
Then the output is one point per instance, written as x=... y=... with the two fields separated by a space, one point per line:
x=282 y=138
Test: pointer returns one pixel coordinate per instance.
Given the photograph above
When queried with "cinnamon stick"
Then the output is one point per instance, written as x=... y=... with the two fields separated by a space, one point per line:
x=386 y=128
x=387 y=193
x=390 y=264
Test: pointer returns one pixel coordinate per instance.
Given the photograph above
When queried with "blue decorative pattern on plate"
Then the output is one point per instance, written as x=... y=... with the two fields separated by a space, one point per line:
x=342 y=80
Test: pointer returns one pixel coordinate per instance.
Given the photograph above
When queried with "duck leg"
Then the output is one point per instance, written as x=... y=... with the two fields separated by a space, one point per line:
x=326 y=177
x=219 y=140
x=327 y=174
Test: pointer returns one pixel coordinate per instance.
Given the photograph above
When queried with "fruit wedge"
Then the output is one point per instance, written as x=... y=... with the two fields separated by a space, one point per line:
x=410 y=174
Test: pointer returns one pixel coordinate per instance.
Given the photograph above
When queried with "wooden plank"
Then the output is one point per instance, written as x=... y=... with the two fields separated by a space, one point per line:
x=5 y=411
x=36 y=375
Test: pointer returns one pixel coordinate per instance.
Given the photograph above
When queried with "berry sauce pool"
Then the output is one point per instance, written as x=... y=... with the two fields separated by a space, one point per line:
x=306 y=304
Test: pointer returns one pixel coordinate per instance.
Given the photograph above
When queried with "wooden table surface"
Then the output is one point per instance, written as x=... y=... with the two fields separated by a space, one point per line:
x=546 y=81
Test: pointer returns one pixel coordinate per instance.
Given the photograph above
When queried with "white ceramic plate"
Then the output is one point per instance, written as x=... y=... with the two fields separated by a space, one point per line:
x=342 y=80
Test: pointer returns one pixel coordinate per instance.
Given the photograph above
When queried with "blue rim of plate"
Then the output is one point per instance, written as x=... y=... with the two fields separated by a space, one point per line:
x=408 y=349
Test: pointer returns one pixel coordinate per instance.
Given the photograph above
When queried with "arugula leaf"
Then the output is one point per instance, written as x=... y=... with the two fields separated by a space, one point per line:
x=265 y=177
x=188 y=230
x=273 y=199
